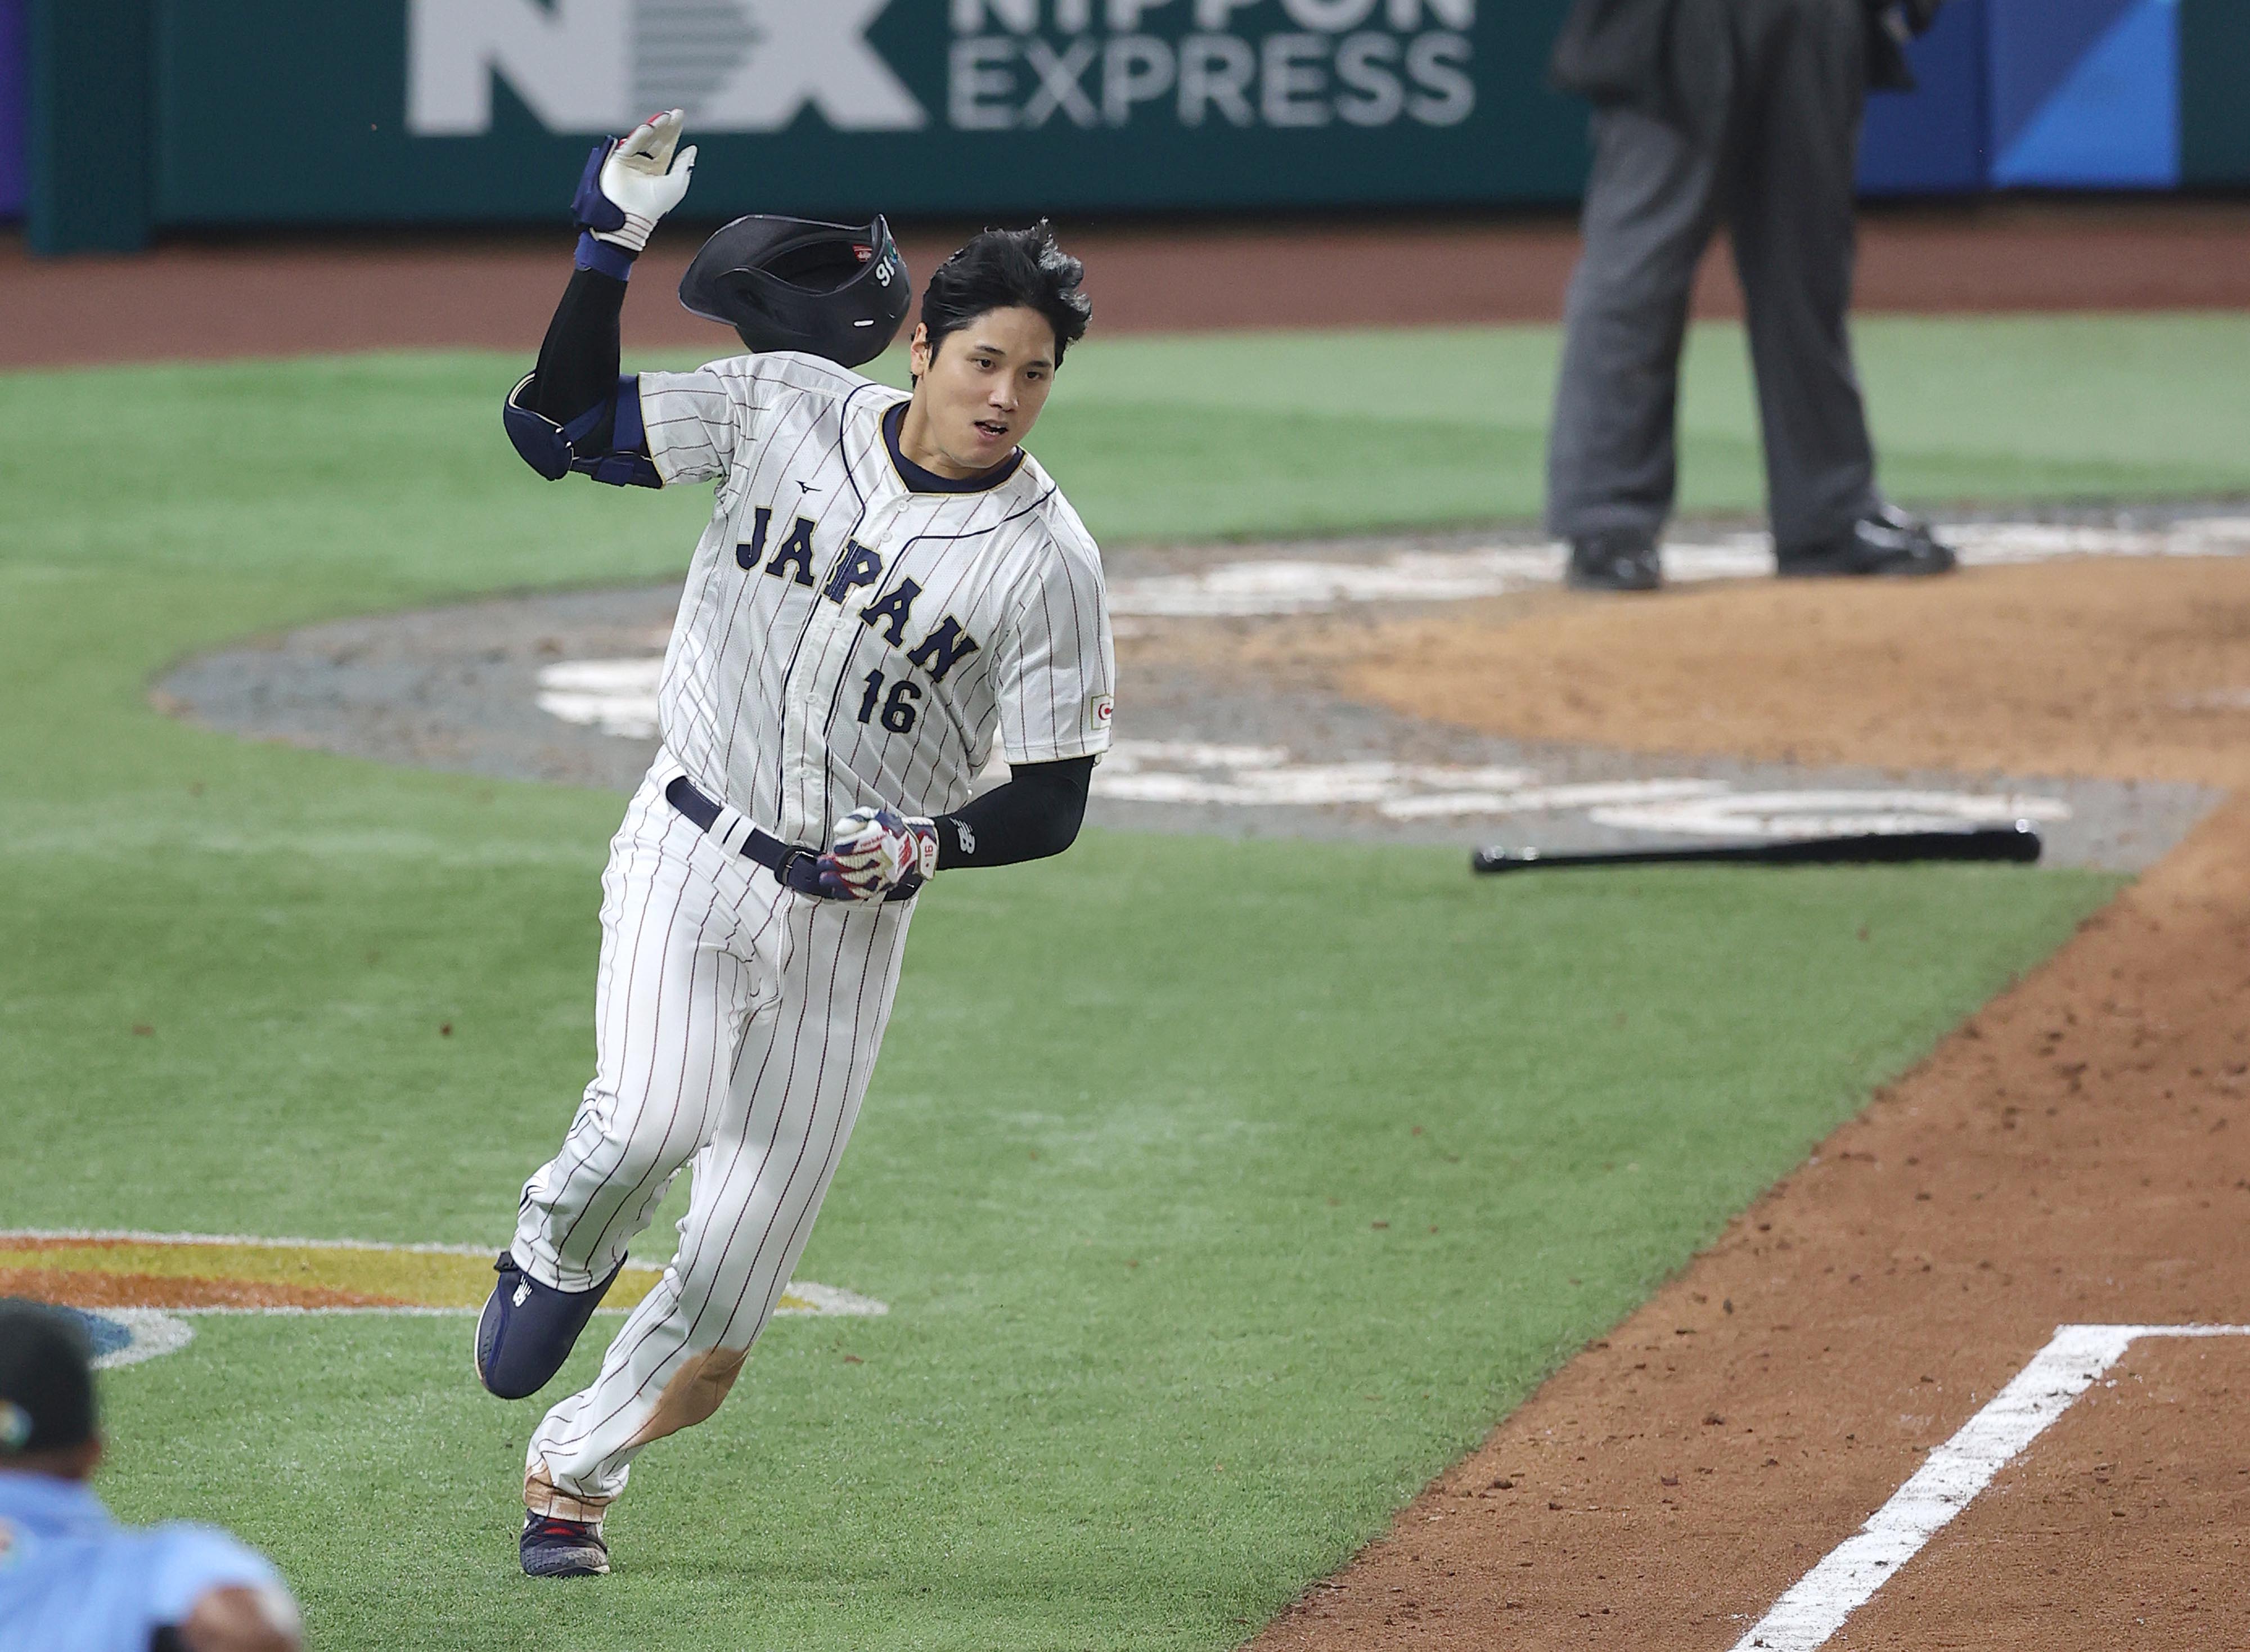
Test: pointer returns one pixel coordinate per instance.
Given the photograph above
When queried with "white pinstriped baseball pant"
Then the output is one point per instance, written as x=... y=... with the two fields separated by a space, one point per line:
x=735 y=1026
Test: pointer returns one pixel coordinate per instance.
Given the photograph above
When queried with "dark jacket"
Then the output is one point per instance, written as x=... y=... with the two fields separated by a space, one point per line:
x=1613 y=52
x=1619 y=51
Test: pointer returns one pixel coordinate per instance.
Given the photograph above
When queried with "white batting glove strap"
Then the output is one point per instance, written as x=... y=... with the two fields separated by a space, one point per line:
x=644 y=180
x=633 y=236
x=925 y=843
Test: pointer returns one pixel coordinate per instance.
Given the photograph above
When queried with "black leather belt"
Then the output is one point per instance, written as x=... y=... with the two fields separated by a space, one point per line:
x=792 y=867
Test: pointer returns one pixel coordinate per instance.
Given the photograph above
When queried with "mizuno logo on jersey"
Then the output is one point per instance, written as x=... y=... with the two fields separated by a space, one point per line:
x=857 y=569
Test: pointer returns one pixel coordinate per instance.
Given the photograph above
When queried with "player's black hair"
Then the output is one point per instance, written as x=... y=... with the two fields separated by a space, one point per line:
x=1007 y=269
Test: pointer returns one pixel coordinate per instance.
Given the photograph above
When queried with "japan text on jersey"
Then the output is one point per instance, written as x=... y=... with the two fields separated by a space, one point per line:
x=847 y=638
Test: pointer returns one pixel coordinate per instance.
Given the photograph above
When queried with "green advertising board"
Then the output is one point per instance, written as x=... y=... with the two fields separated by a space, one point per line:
x=2214 y=114
x=400 y=111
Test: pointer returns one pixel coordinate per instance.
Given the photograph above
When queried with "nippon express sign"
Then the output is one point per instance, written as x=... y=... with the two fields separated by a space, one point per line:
x=481 y=110
x=1004 y=65
x=1327 y=64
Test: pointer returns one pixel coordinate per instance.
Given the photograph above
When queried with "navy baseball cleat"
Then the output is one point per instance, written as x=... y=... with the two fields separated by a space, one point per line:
x=528 y=1329
x=555 y=1548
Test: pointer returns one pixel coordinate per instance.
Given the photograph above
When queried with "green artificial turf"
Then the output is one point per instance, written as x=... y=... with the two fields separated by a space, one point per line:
x=1288 y=432
x=1217 y=1205
x=391 y=468
x=1219 y=1197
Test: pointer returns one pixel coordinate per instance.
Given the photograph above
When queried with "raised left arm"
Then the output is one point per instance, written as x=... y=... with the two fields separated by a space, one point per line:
x=574 y=412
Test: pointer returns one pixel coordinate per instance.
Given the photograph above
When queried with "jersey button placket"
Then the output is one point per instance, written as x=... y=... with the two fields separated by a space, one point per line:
x=836 y=632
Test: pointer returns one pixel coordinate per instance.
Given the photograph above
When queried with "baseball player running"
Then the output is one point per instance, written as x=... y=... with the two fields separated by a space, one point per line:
x=889 y=586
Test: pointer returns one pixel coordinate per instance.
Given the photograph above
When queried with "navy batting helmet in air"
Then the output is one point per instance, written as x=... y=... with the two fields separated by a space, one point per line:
x=791 y=284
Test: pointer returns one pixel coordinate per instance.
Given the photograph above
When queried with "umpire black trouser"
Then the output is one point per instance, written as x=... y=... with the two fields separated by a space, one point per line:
x=1767 y=141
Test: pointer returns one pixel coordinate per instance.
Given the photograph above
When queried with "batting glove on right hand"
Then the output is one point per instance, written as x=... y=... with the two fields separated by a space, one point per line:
x=632 y=181
x=871 y=851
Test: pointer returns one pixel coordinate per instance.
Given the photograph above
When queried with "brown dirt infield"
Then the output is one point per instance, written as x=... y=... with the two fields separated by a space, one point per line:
x=2143 y=1484
x=2079 y=1151
x=2126 y=670
x=288 y=295
x=2076 y=1153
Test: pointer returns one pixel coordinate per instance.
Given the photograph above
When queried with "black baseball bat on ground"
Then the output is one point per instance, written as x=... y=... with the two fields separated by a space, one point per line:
x=2018 y=842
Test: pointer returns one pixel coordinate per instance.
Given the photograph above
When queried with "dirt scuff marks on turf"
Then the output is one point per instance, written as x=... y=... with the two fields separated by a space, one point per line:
x=2079 y=1151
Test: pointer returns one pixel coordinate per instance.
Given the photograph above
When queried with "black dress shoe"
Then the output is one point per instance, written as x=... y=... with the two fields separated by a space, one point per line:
x=1620 y=560
x=1885 y=543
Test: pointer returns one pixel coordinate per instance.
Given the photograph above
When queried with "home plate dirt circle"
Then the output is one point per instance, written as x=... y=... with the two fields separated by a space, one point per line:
x=1234 y=715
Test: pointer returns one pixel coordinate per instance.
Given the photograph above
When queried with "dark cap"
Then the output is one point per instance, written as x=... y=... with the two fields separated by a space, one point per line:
x=46 y=1379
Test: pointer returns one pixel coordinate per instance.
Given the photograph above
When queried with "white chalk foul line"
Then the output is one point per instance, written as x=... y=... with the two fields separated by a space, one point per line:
x=143 y=1236
x=1848 y=1576
x=1202 y=773
x=1294 y=585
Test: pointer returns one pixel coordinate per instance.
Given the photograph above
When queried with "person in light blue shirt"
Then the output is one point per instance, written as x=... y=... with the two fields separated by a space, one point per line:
x=72 y=1579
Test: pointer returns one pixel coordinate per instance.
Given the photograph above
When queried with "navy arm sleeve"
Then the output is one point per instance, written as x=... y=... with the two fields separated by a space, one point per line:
x=579 y=357
x=573 y=412
x=1036 y=814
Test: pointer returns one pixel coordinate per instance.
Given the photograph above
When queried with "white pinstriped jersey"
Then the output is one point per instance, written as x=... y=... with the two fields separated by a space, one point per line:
x=846 y=639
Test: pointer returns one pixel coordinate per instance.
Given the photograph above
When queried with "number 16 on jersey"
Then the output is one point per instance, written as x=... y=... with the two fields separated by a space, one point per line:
x=898 y=709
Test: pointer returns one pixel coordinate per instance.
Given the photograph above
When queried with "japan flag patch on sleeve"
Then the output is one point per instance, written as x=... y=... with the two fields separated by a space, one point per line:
x=1098 y=709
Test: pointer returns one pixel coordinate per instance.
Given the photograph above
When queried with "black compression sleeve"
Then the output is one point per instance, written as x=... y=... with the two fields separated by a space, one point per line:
x=1036 y=814
x=578 y=360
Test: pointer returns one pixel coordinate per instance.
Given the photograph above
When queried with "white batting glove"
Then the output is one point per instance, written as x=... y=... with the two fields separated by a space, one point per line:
x=871 y=851
x=643 y=180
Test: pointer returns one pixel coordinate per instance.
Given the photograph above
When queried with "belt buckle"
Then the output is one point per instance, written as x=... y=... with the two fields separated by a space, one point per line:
x=788 y=864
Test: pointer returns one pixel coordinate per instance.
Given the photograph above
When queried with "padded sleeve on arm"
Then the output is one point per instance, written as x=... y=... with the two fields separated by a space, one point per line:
x=574 y=412
x=578 y=359
x=1036 y=814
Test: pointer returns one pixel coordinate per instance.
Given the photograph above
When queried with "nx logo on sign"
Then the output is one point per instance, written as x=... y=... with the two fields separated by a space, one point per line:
x=755 y=66
x=598 y=65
